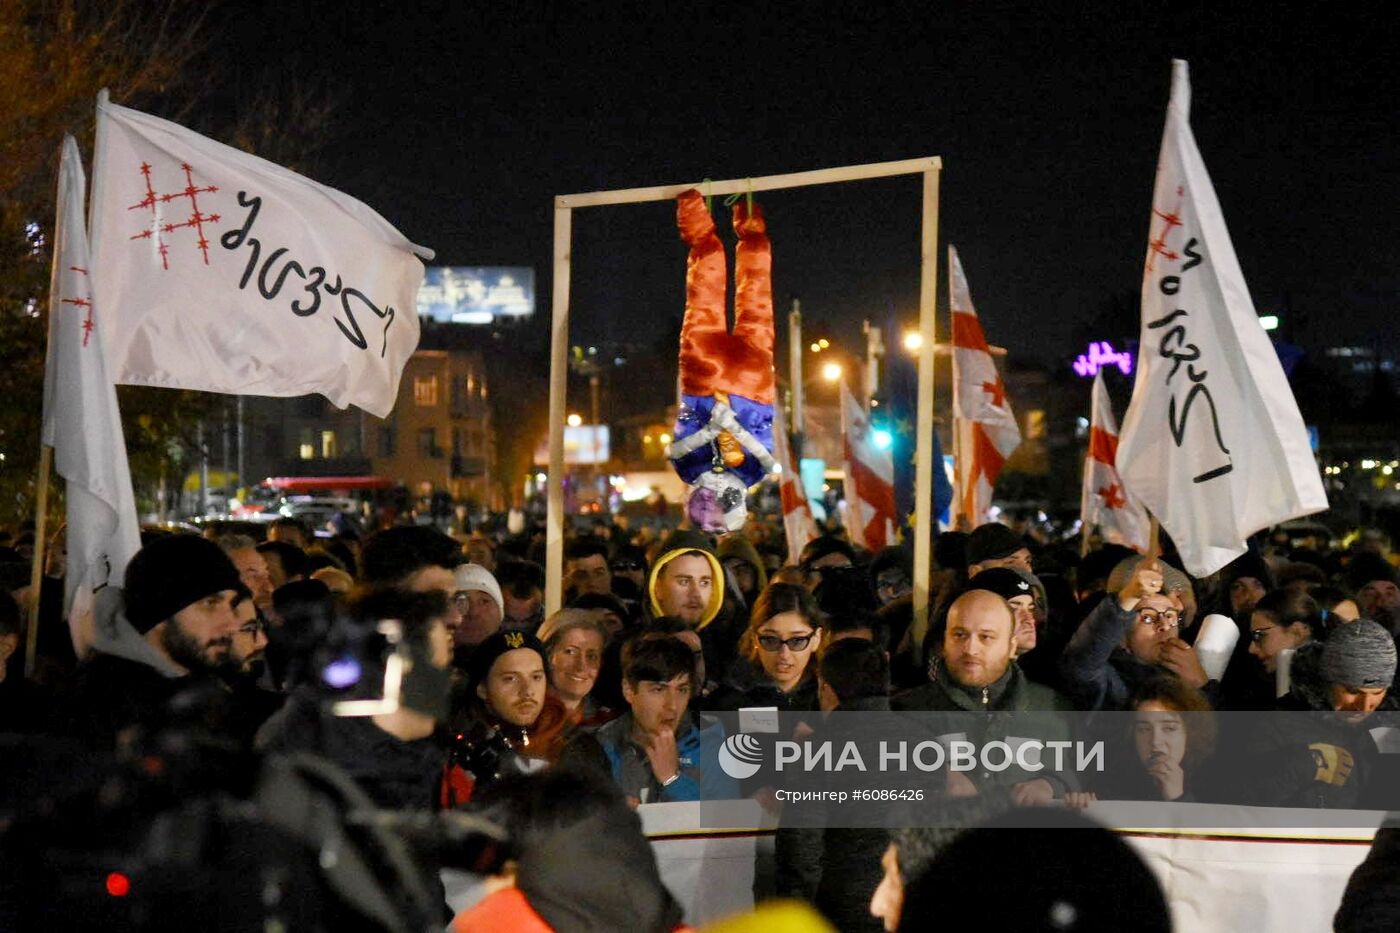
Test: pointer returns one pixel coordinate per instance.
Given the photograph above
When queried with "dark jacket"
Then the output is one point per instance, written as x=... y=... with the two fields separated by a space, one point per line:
x=834 y=867
x=395 y=774
x=111 y=694
x=746 y=686
x=1099 y=674
x=1306 y=755
x=1013 y=710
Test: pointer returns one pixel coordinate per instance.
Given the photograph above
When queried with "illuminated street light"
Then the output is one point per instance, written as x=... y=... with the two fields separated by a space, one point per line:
x=831 y=372
x=913 y=341
x=574 y=420
x=882 y=438
x=665 y=438
x=816 y=348
x=823 y=343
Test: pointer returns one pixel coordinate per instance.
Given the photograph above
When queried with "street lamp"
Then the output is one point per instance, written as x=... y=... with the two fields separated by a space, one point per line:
x=831 y=372
x=574 y=420
x=913 y=341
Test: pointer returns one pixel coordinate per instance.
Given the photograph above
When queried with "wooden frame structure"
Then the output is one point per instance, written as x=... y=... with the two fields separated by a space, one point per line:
x=928 y=167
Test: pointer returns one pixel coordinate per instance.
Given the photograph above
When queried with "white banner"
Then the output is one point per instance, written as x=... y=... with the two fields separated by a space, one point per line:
x=1212 y=442
x=220 y=271
x=82 y=424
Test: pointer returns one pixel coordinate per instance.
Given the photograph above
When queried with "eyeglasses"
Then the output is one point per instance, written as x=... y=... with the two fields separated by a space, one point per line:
x=462 y=600
x=1168 y=620
x=795 y=643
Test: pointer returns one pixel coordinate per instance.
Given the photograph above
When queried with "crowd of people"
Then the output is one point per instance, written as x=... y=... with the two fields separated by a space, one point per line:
x=416 y=675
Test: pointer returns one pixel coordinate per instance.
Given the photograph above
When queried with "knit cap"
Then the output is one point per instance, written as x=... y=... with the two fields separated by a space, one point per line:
x=1361 y=655
x=474 y=577
x=1002 y=581
x=173 y=572
x=992 y=541
x=490 y=650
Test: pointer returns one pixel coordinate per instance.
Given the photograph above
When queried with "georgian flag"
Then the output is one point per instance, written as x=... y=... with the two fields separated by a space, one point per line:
x=1212 y=442
x=1105 y=502
x=869 y=479
x=984 y=425
x=222 y=272
x=798 y=524
x=83 y=426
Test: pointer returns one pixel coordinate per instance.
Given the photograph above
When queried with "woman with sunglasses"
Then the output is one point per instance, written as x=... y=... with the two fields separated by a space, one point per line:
x=777 y=654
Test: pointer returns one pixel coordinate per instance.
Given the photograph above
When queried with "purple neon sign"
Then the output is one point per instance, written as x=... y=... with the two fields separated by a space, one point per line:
x=1101 y=355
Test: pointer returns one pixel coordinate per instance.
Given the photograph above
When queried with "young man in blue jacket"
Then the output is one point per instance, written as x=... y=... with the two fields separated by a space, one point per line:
x=659 y=751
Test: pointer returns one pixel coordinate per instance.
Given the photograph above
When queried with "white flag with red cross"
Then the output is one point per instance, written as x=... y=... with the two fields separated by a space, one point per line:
x=1105 y=502
x=984 y=426
x=82 y=424
x=798 y=525
x=869 y=479
x=1212 y=443
x=220 y=271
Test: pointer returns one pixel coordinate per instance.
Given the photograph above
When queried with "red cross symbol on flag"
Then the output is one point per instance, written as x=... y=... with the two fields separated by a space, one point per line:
x=997 y=391
x=1113 y=497
x=85 y=303
x=1158 y=247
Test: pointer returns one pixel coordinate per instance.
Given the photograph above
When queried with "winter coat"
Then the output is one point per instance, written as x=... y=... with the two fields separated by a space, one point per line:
x=1098 y=673
x=1013 y=710
x=746 y=686
x=395 y=774
x=1305 y=755
x=612 y=750
x=837 y=868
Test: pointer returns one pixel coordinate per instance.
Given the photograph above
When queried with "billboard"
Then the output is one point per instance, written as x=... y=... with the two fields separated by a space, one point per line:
x=583 y=445
x=476 y=294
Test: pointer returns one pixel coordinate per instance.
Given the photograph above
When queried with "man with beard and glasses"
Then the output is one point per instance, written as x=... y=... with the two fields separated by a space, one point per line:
x=179 y=598
x=250 y=703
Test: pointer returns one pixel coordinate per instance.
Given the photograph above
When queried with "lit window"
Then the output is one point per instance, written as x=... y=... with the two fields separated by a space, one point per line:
x=425 y=391
x=308 y=451
x=328 y=444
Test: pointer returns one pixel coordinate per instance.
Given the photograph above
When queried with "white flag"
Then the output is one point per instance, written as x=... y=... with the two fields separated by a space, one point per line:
x=869 y=479
x=798 y=525
x=984 y=426
x=223 y=272
x=82 y=425
x=1105 y=501
x=1212 y=442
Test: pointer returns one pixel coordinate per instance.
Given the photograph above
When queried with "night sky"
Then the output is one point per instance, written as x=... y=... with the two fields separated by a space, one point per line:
x=460 y=122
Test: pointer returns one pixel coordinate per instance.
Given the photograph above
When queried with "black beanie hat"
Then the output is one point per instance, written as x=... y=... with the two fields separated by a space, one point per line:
x=1002 y=581
x=172 y=572
x=498 y=644
x=992 y=541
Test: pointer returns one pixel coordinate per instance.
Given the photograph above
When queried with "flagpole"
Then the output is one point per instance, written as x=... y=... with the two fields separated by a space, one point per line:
x=924 y=518
x=36 y=572
x=99 y=154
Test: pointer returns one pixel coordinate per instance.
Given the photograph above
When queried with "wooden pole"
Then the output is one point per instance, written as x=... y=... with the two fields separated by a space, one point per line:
x=823 y=176
x=924 y=518
x=36 y=572
x=558 y=401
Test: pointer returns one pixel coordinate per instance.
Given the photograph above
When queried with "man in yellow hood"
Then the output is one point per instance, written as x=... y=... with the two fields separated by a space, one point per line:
x=687 y=581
